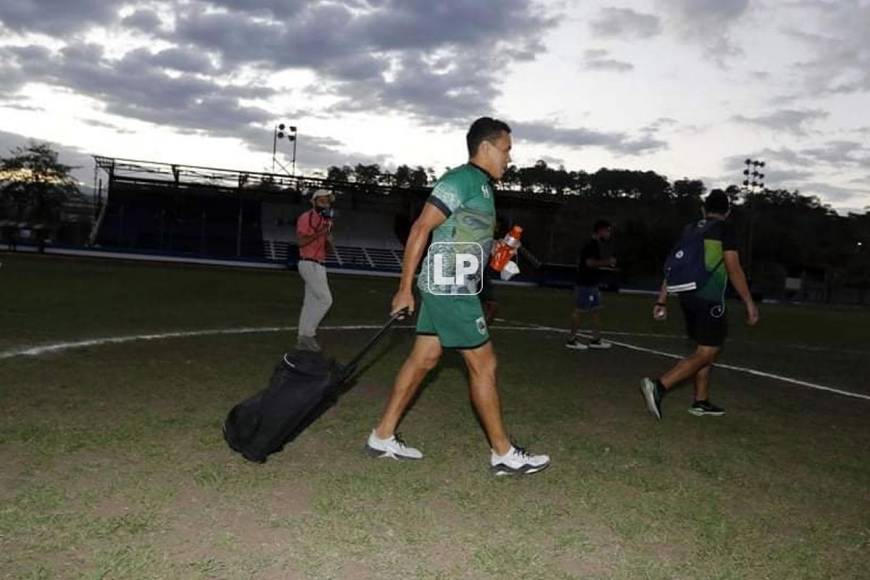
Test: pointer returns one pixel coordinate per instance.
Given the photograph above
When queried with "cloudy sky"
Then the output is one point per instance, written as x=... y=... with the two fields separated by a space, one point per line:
x=686 y=88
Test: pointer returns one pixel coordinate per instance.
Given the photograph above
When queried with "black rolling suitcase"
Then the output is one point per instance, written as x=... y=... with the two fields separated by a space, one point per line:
x=303 y=386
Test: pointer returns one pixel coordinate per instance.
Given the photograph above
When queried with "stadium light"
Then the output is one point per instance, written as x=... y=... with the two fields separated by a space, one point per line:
x=288 y=132
x=753 y=183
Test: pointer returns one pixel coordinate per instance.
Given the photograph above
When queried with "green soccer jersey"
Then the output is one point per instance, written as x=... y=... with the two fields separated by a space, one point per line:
x=465 y=195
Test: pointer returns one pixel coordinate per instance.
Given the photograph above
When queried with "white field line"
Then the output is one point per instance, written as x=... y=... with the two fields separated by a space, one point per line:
x=684 y=337
x=63 y=346
x=729 y=367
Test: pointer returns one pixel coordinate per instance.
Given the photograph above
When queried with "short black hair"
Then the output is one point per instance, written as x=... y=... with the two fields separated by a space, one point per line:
x=601 y=225
x=484 y=129
x=717 y=202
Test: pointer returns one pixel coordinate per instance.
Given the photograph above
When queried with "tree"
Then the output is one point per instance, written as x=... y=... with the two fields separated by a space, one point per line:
x=34 y=185
x=402 y=176
x=335 y=173
x=369 y=174
x=418 y=177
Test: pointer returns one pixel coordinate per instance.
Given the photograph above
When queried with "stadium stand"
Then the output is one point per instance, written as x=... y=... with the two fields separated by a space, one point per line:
x=178 y=210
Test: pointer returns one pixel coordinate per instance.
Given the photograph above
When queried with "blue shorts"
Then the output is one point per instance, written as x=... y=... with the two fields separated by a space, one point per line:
x=587 y=298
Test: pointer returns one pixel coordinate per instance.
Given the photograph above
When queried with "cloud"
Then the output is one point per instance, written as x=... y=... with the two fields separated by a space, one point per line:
x=552 y=161
x=707 y=23
x=659 y=124
x=834 y=194
x=105 y=125
x=625 y=23
x=596 y=59
x=312 y=151
x=433 y=60
x=616 y=142
x=399 y=24
x=276 y=9
x=840 y=153
x=788 y=120
x=439 y=62
x=56 y=17
x=800 y=169
x=18 y=102
x=137 y=86
x=836 y=35
x=183 y=60
x=776 y=177
x=143 y=20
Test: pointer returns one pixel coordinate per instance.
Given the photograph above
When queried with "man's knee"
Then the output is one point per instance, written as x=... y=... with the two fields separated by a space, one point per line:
x=707 y=355
x=481 y=363
x=323 y=298
x=428 y=361
x=426 y=354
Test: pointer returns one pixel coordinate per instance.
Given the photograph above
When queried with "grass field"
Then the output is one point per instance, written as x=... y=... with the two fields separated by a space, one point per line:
x=112 y=463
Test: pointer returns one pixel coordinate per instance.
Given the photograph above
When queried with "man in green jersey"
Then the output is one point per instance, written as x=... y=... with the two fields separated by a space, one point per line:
x=460 y=215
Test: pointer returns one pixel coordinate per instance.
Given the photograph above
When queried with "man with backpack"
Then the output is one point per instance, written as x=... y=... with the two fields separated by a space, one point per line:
x=698 y=270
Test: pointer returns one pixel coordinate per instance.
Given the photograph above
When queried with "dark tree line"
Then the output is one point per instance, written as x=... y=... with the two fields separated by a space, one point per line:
x=784 y=233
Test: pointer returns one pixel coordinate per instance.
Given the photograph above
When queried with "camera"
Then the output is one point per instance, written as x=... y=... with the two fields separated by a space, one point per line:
x=326 y=212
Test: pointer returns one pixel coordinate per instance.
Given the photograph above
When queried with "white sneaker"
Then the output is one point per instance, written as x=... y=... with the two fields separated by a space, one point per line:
x=599 y=344
x=518 y=462
x=393 y=447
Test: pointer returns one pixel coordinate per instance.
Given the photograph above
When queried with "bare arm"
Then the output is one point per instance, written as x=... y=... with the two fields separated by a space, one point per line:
x=430 y=218
x=738 y=280
x=305 y=240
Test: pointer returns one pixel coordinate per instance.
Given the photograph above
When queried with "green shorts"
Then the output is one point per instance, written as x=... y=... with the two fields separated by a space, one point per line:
x=457 y=321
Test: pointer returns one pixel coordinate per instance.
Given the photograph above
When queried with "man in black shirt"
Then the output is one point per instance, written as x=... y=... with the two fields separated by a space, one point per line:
x=587 y=294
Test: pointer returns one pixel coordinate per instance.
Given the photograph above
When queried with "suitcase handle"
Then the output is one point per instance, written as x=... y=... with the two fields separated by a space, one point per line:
x=350 y=367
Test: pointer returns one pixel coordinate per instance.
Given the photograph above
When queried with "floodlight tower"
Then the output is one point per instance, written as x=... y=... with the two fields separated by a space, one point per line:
x=288 y=132
x=753 y=183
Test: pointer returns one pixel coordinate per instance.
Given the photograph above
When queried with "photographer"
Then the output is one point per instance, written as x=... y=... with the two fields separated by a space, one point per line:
x=314 y=237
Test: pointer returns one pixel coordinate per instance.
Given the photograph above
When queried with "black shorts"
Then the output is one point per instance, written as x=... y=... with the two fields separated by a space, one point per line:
x=706 y=323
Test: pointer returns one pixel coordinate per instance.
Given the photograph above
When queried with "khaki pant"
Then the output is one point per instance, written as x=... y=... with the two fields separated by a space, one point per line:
x=318 y=298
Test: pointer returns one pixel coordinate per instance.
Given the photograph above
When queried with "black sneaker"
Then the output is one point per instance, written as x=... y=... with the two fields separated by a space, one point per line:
x=701 y=408
x=652 y=393
x=575 y=344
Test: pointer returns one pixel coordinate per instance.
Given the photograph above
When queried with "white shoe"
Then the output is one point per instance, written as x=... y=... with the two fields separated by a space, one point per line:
x=393 y=448
x=599 y=344
x=575 y=344
x=518 y=462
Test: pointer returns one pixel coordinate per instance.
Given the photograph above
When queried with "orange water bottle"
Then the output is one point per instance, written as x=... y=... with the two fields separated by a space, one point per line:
x=505 y=248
